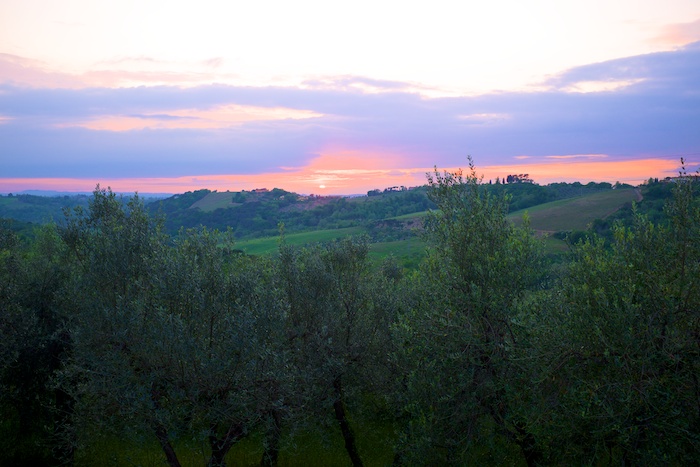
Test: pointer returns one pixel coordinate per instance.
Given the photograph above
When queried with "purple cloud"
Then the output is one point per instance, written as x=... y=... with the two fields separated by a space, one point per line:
x=656 y=114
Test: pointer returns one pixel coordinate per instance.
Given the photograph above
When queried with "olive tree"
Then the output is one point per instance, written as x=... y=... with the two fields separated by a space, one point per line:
x=627 y=354
x=170 y=337
x=464 y=381
x=336 y=327
x=33 y=347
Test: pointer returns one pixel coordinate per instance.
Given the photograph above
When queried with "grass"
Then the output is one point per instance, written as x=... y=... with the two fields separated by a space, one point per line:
x=562 y=215
x=321 y=446
x=269 y=245
x=413 y=215
x=574 y=213
x=214 y=200
x=409 y=252
x=7 y=201
x=554 y=246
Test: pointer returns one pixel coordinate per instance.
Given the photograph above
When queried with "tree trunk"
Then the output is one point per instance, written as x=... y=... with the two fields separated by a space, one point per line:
x=272 y=443
x=221 y=446
x=218 y=456
x=528 y=444
x=160 y=431
x=65 y=449
x=162 y=435
x=531 y=452
x=340 y=415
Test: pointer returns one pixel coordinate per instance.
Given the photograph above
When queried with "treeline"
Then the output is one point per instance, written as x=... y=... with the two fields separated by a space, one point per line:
x=259 y=214
x=485 y=355
x=253 y=214
x=656 y=196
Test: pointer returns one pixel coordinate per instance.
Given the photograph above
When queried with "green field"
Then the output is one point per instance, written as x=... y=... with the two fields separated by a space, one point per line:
x=214 y=201
x=548 y=218
x=408 y=252
x=575 y=213
x=268 y=245
x=413 y=215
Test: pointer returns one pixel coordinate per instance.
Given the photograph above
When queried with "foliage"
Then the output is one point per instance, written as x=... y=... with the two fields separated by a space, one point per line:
x=337 y=319
x=170 y=339
x=32 y=347
x=38 y=209
x=462 y=335
x=113 y=329
x=629 y=342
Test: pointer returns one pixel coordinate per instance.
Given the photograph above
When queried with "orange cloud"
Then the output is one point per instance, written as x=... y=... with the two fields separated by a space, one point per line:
x=570 y=169
x=342 y=172
x=347 y=173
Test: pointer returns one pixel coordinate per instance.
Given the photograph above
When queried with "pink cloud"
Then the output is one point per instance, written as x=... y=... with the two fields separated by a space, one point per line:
x=347 y=173
x=573 y=169
x=679 y=34
x=224 y=116
x=20 y=71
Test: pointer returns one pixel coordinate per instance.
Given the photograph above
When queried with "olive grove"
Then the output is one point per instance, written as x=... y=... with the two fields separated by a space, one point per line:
x=486 y=354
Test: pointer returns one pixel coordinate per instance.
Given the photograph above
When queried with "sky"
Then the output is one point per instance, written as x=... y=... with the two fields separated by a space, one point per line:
x=331 y=97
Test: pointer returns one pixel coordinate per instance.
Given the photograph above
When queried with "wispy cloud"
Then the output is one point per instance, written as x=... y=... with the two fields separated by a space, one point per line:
x=214 y=62
x=679 y=34
x=342 y=130
x=21 y=71
x=578 y=156
x=637 y=73
x=217 y=118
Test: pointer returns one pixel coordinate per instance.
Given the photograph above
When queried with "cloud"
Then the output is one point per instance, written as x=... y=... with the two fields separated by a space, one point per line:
x=224 y=116
x=366 y=85
x=171 y=131
x=215 y=62
x=632 y=171
x=140 y=59
x=118 y=72
x=679 y=34
x=21 y=71
x=579 y=156
x=639 y=73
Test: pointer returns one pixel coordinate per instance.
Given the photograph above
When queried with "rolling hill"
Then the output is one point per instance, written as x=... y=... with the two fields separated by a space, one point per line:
x=391 y=219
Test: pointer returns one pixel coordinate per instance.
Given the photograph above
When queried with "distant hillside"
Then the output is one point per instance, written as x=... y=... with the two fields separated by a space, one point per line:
x=392 y=215
x=576 y=213
x=254 y=214
x=38 y=209
x=399 y=235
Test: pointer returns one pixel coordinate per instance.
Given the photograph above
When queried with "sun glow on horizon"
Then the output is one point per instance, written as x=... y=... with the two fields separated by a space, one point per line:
x=352 y=181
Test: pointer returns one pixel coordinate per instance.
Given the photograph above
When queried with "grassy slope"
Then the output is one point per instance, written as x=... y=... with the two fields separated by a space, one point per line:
x=409 y=251
x=574 y=213
x=267 y=245
x=214 y=201
x=568 y=214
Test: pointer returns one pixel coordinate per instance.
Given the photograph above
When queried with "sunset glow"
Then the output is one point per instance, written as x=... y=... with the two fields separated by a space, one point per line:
x=162 y=97
x=353 y=182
